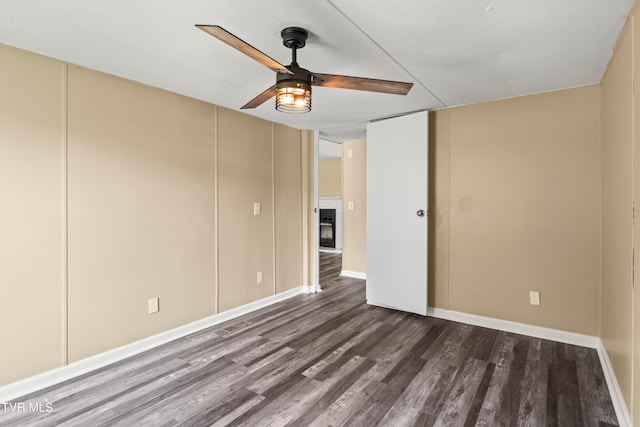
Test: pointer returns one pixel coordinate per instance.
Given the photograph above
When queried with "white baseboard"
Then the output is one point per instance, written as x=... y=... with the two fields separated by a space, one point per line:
x=310 y=289
x=515 y=327
x=549 y=334
x=32 y=384
x=330 y=250
x=354 y=274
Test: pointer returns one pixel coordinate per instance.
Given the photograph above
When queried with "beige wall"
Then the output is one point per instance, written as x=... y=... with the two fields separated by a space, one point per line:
x=439 y=209
x=354 y=177
x=514 y=206
x=141 y=179
x=330 y=178
x=288 y=208
x=32 y=272
x=525 y=209
x=634 y=402
x=309 y=252
x=160 y=204
x=246 y=240
x=618 y=185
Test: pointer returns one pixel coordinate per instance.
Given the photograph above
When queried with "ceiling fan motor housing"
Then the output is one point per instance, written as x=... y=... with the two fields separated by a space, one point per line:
x=298 y=74
x=294 y=37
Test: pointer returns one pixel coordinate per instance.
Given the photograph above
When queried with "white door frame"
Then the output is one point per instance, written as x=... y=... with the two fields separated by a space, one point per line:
x=316 y=210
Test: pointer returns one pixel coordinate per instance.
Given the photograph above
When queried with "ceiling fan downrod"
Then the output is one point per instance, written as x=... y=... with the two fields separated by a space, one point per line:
x=294 y=38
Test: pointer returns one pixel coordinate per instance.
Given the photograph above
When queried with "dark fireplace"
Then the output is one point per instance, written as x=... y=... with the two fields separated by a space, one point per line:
x=328 y=228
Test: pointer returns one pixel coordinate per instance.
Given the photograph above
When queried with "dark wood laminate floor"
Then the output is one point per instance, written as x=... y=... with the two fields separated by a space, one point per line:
x=330 y=267
x=329 y=359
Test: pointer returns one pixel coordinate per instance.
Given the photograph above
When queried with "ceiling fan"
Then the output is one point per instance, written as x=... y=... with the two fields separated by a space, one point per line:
x=293 y=83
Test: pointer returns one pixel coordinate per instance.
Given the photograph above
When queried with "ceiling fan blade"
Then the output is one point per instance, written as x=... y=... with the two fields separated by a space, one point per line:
x=260 y=99
x=244 y=47
x=361 y=83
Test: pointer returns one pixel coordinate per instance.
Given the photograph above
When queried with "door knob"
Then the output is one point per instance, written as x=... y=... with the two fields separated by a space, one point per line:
x=420 y=212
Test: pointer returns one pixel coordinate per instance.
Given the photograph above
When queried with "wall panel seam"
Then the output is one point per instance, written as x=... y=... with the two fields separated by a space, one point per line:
x=65 y=214
x=273 y=207
x=216 y=213
x=304 y=170
x=449 y=211
x=302 y=240
x=631 y=23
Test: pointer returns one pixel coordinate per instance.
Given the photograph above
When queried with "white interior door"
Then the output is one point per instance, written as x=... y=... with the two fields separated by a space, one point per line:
x=397 y=186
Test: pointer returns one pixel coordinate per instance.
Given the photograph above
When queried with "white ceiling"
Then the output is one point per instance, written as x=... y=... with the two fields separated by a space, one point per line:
x=328 y=150
x=456 y=52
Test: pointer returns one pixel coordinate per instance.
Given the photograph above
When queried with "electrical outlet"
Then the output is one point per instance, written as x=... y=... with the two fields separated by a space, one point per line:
x=534 y=297
x=259 y=277
x=154 y=305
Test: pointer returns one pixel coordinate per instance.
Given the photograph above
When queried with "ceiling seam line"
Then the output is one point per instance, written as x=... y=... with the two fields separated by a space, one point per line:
x=337 y=9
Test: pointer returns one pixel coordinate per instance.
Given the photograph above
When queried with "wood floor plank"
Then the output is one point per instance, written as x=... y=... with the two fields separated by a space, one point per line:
x=126 y=407
x=349 y=403
x=483 y=345
x=384 y=397
x=594 y=394
x=330 y=267
x=569 y=407
x=431 y=331
x=476 y=406
x=449 y=342
x=330 y=359
x=552 y=395
x=339 y=383
x=460 y=400
x=329 y=363
x=293 y=403
x=225 y=391
x=408 y=407
x=509 y=400
x=231 y=417
x=116 y=377
x=592 y=413
x=306 y=356
x=433 y=406
x=534 y=390
x=502 y=357
x=218 y=409
x=350 y=318
x=391 y=351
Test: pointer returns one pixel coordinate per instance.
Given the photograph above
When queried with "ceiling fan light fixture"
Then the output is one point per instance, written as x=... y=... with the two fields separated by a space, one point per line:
x=293 y=96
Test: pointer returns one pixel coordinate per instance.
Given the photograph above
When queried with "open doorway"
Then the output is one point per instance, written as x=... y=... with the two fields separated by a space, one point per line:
x=384 y=213
x=330 y=218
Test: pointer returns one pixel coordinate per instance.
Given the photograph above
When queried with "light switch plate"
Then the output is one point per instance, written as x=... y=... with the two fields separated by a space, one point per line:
x=350 y=206
x=257 y=209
